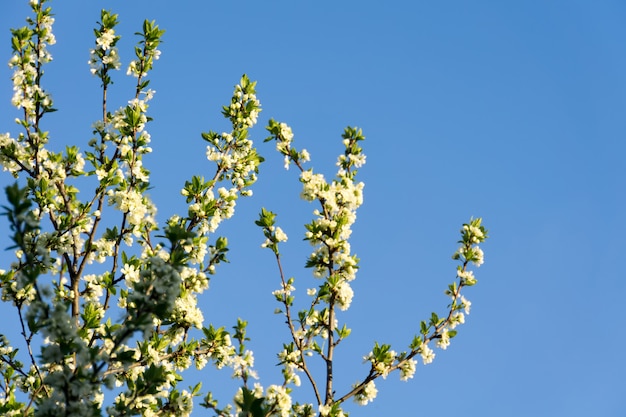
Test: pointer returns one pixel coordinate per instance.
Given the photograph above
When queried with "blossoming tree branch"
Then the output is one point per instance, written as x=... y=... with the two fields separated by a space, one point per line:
x=106 y=299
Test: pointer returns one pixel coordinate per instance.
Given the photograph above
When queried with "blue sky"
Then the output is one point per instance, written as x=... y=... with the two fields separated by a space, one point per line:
x=510 y=111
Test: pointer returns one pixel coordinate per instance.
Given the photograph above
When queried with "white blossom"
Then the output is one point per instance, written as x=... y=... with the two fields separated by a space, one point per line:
x=366 y=394
x=407 y=369
x=427 y=354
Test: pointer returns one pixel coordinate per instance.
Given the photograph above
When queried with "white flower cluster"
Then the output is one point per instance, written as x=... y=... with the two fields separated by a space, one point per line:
x=136 y=69
x=458 y=317
x=283 y=144
x=105 y=56
x=317 y=323
x=186 y=311
x=101 y=249
x=285 y=291
x=127 y=131
x=105 y=40
x=276 y=235
x=331 y=259
x=245 y=107
x=20 y=289
x=344 y=294
x=233 y=155
x=328 y=409
x=23 y=89
x=407 y=369
x=26 y=64
x=133 y=203
x=367 y=394
x=46 y=37
x=278 y=398
x=283 y=135
x=466 y=275
x=382 y=360
x=428 y=355
x=350 y=159
x=444 y=339
x=163 y=396
x=472 y=234
x=21 y=155
x=12 y=152
x=330 y=231
x=291 y=359
x=242 y=365
x=209 y=212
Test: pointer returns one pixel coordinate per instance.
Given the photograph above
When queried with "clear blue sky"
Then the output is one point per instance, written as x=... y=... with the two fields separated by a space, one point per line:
x=511 y=111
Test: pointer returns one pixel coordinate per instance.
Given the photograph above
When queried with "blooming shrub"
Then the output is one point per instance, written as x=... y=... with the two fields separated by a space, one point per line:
x=110 y=298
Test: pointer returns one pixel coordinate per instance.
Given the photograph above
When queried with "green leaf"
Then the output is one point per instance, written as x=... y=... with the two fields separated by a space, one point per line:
x=423 y=328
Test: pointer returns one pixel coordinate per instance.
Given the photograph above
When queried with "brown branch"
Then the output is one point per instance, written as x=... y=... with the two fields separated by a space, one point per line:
x=302 y=365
